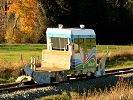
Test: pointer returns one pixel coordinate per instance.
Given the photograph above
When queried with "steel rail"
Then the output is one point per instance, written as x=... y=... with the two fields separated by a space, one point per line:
x=8 y=85
x=117 y=70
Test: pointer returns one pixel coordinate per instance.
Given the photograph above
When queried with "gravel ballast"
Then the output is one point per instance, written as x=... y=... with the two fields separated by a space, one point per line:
x=80 y=85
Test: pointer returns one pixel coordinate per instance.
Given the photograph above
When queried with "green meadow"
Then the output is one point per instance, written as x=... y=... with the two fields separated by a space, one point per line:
x=12 y=56
x=14 y=53
x=119 y=56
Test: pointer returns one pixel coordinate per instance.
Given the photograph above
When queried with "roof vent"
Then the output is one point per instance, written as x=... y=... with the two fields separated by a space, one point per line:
x=60 y=26
x=82 y=26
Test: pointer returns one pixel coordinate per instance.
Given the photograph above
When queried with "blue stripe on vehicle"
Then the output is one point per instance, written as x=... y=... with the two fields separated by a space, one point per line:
x=70 y=35
x=83 y=36
x=58 y=35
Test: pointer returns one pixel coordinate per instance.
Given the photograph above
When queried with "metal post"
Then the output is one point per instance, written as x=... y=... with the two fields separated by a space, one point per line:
x=31 y=62
x=34 y=63
x=21 y=60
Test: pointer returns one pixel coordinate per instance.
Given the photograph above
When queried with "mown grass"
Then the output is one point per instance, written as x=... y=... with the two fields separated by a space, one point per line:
x=12 y=52
x=121 y=91
x=11 y=56
x=118 y=56
x=113 y=48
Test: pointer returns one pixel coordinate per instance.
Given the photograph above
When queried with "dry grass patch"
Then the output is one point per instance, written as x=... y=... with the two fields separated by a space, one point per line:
x=116 y=55
x=122 y=58
x=121 y=53
x=122 y=91
x=9 y=69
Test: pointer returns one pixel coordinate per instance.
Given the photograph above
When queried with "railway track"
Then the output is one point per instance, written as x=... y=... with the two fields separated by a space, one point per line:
x=18 y=86
x=119 y=71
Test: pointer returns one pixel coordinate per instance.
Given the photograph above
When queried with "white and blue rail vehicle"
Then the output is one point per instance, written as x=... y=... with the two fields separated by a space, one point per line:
x=71 y=52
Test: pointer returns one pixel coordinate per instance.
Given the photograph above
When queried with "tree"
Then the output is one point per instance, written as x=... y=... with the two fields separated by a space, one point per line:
x=56 y=11
x=25 y=21
x=2 y=20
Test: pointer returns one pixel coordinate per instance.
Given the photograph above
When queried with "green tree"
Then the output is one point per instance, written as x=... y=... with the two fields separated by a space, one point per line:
x=56 y=11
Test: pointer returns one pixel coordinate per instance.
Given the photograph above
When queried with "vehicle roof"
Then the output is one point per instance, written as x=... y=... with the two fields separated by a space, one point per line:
x=71 y=32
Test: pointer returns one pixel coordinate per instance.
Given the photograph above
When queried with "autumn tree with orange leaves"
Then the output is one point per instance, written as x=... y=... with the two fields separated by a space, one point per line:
x=25 y=21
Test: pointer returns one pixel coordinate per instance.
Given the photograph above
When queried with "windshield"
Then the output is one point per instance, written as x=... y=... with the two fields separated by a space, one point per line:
x=59 y=43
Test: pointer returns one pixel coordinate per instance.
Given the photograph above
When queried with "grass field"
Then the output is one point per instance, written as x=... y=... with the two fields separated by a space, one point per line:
x=118 y=57
x=10 y=56
x=113 y=48
x=12 y=53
